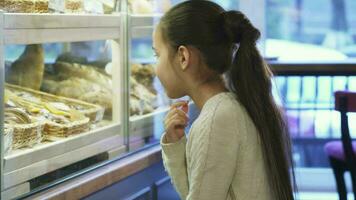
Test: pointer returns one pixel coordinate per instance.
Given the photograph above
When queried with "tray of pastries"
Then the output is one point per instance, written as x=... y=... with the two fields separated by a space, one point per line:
x=42 y=6
x=8 y=139
x=50 y=115
x=21 y=129
x=25 y=6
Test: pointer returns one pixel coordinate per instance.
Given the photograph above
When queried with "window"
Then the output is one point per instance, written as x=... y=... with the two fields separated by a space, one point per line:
x=311 y=31
x=294 y=25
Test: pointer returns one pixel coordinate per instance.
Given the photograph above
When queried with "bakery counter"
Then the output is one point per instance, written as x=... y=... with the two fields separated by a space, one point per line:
x=23 y=165
x=97 y=183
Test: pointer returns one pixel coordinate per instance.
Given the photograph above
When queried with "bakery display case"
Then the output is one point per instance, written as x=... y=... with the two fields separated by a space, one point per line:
x=77 y=87
x=60 y=85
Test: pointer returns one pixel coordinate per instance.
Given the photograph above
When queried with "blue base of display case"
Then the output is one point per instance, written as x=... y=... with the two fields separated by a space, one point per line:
x=152 y=183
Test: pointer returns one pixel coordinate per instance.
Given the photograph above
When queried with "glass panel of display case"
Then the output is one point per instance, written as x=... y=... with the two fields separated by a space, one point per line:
x=61 y=111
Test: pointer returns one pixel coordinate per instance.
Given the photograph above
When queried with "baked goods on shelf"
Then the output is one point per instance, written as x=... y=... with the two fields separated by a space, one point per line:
x=141 y=6
x=34 y=115
x=93 y=85
x=27 y=70
x=26 y=130
x=142 y=101
x=144 y=74
x=25 y=6
x=65 y=70
x=66 y=6
x=143 y=95
x=74 y=5
x=82 y=89
x=41 y=6
x=81 y=82
x=8 y=139
x=149 y=6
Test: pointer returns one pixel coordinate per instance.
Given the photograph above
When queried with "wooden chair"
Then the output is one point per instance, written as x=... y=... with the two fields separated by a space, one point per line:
x=342 y=153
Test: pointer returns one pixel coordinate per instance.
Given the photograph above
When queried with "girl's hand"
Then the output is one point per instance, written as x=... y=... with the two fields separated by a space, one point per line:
x=176 y=121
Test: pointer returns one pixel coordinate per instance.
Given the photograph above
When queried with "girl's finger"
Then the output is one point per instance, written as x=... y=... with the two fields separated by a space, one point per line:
x=178 y=114
x=175 y=123
x=176 y=117
x=176 y=111
x=171 y=112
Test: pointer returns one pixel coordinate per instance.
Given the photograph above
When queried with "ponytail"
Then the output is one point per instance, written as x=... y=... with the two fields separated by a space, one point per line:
x=250 y=78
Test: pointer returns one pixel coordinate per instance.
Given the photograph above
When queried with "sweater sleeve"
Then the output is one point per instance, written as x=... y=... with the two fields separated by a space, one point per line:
x=174 y=161
x=214 y=157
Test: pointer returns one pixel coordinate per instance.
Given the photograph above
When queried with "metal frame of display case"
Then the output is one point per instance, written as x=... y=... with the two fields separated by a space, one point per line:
x=23 y=165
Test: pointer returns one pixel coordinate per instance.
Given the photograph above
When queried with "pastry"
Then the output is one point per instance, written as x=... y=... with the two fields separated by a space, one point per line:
x=41 y=6
x=27 y=70
x=16 y=116
x=141 y=6
x=73 y=6
x=20 y=105
x=82 y=89
x=142 y=97
x=144 y=74
x=93 y=85
x=19 y=6
x=65 y=70
x=66 y=6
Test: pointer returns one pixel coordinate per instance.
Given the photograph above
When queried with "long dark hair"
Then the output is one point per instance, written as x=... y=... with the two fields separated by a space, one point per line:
x=227 y=42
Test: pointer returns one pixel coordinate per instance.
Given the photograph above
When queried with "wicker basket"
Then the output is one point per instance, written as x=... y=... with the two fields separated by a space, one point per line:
x=25 y=135
x=19 y=6
x=53 y=130
x=8 y=139
x=94 y=112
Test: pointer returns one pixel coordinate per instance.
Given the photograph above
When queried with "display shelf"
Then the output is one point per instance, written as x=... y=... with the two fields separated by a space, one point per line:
x=140 y=20
x=147 y=125
x=25 y=164
x=143 y=25
x=26 y=28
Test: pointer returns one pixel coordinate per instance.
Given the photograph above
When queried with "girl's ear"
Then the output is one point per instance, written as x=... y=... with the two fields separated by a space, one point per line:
x=184 y=57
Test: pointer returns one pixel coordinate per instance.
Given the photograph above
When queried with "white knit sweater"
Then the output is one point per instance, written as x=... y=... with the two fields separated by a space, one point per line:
x=222 y=158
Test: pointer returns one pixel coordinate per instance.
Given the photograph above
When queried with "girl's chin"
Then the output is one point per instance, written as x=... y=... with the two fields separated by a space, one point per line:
x=173 y=95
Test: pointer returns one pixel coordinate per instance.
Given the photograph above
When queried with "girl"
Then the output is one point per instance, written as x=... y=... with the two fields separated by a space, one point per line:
x=238 y=147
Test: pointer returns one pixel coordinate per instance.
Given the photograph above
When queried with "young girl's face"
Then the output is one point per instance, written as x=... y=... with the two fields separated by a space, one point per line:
x=167 y=67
